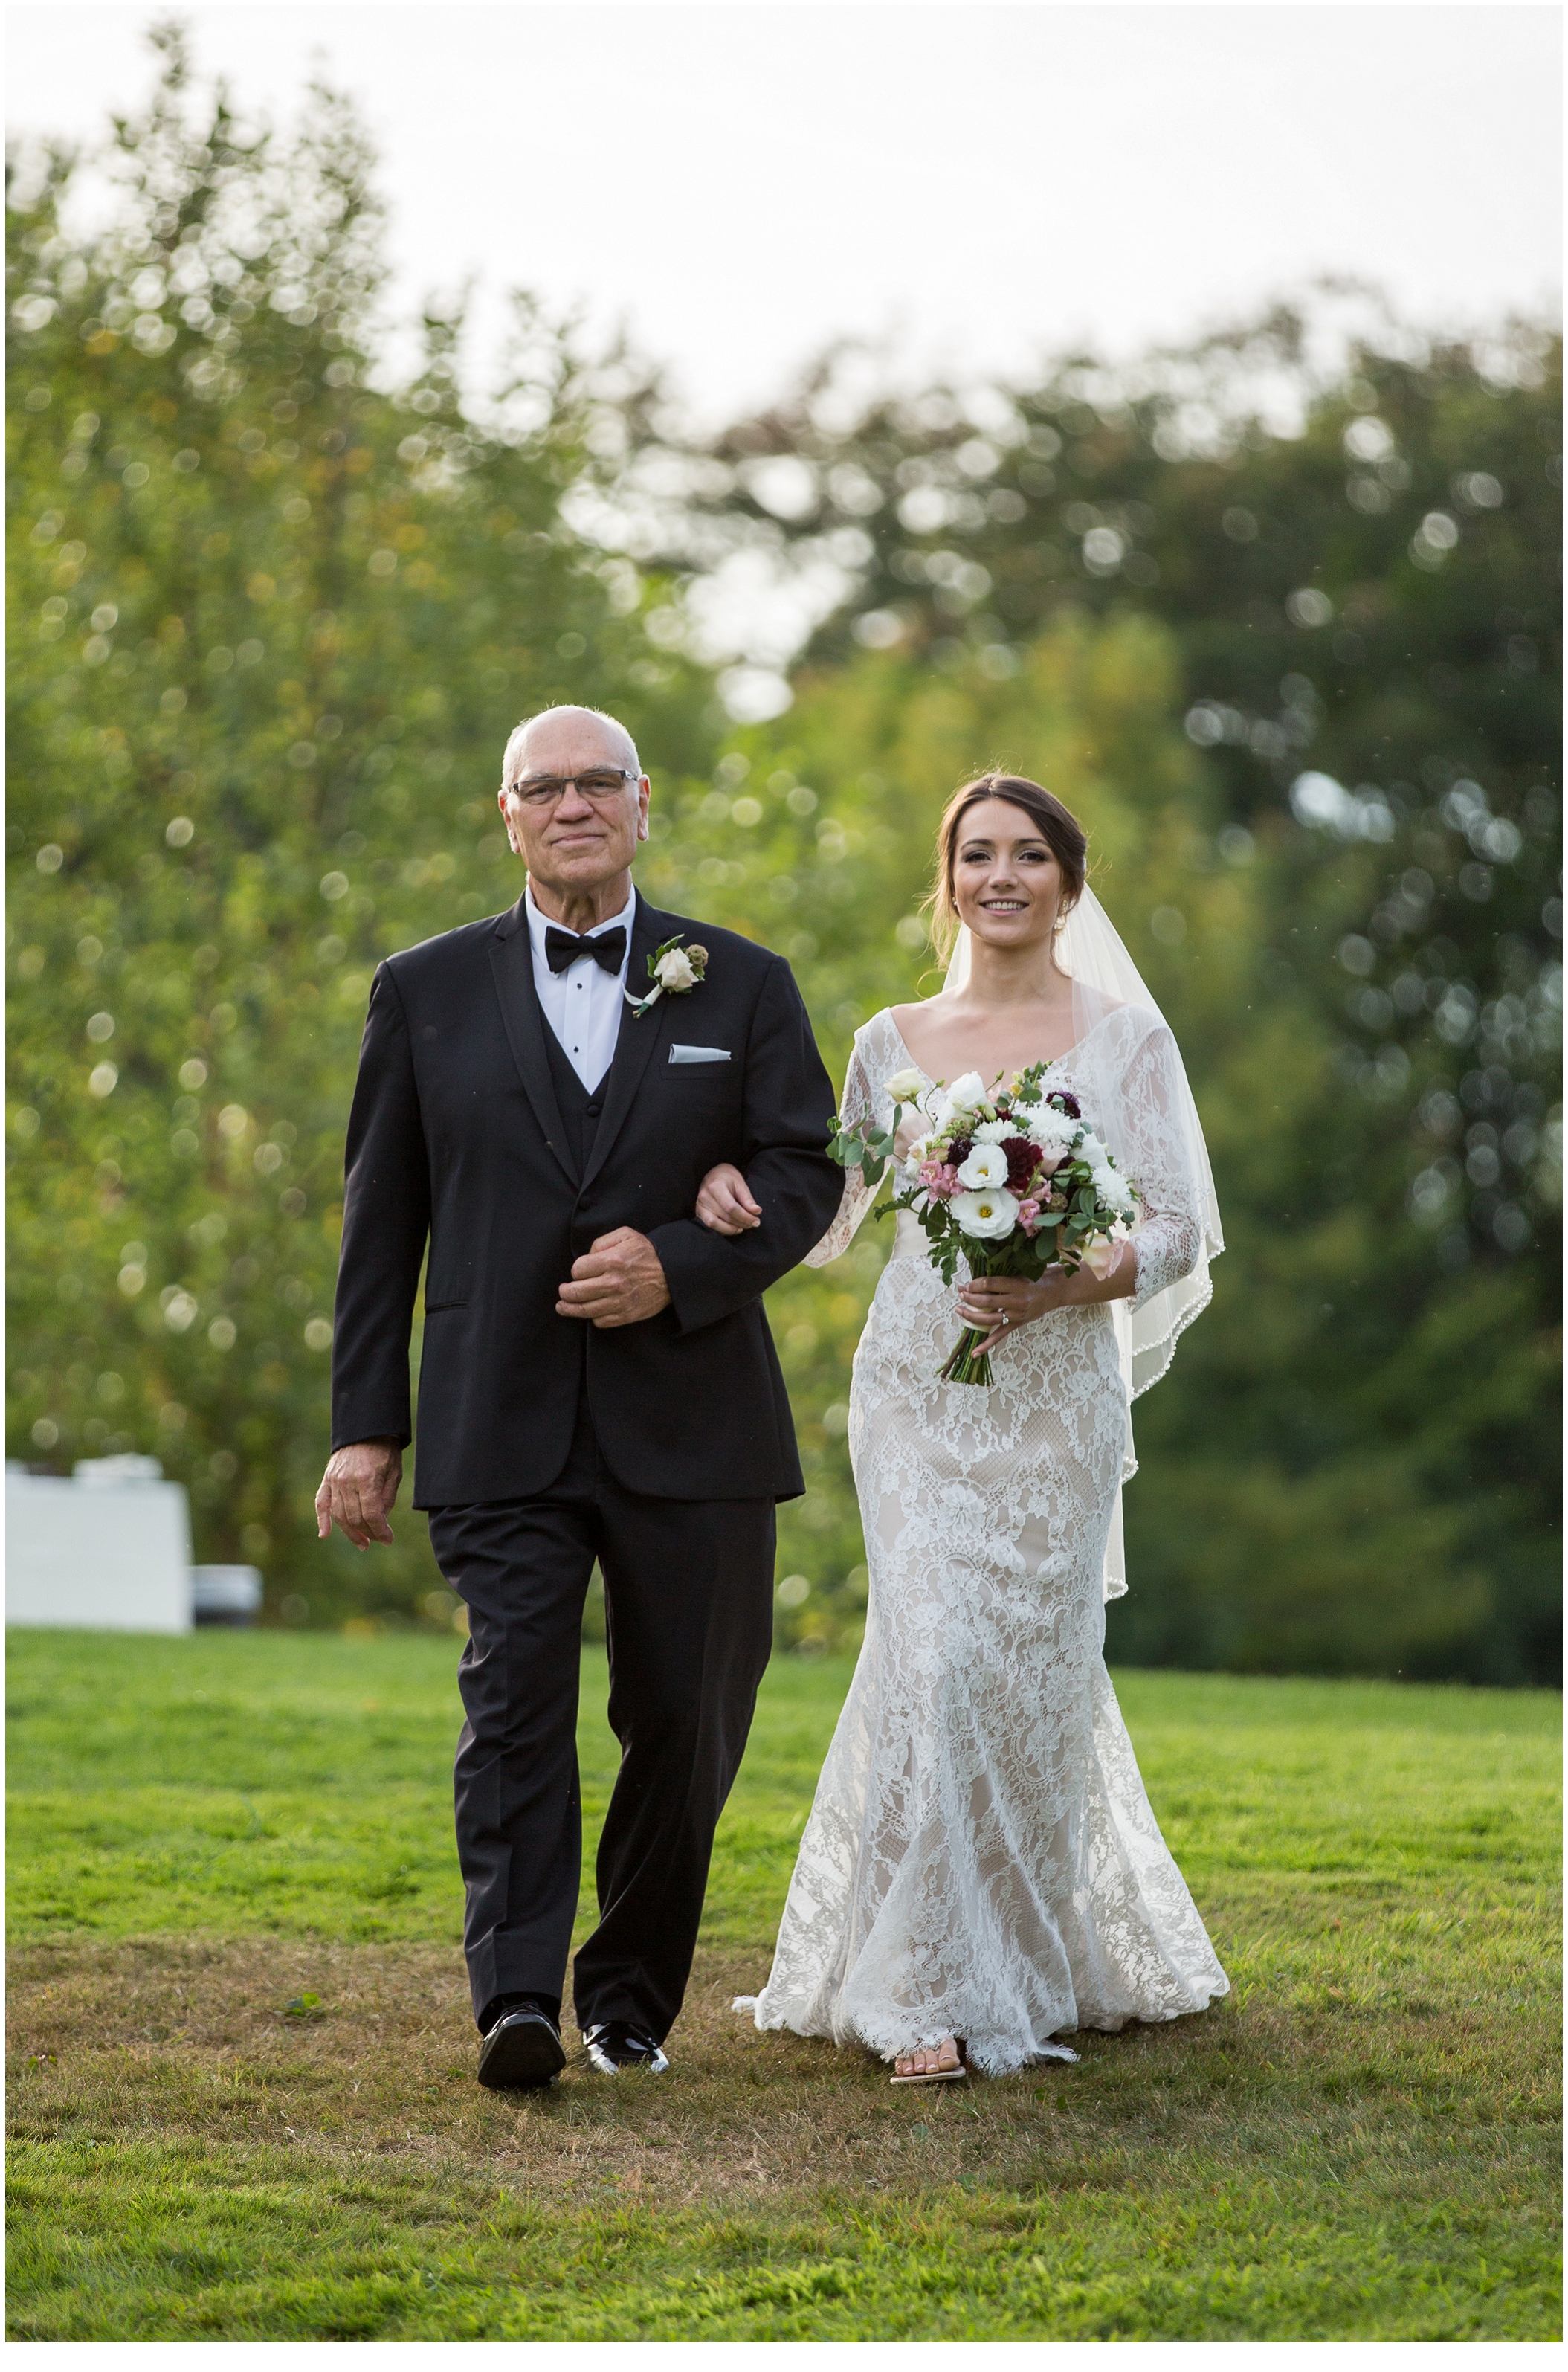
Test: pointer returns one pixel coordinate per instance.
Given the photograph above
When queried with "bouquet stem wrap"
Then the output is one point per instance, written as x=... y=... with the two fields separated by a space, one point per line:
x=961 y=1367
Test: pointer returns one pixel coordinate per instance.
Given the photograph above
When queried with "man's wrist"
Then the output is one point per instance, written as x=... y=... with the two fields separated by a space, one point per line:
x=385 y=1446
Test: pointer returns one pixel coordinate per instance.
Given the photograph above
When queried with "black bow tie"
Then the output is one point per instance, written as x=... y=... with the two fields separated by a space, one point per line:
x=564 y=948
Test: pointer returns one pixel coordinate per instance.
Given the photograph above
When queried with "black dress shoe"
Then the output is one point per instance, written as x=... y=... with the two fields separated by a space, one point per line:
x=521 y=2053
x=615 y=2047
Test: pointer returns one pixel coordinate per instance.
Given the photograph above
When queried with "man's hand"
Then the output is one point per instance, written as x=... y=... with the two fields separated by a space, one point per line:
x=617 y=1284
x=358 y=1490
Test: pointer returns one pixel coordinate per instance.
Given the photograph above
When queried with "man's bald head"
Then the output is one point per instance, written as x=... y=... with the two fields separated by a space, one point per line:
x=559 y=739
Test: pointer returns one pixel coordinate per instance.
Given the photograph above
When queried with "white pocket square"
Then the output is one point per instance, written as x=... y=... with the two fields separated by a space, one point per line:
x=699 y=1053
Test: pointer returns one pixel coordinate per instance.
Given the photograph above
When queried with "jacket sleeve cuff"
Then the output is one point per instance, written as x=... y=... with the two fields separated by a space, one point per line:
x=371 y=1425
x=703 y=1286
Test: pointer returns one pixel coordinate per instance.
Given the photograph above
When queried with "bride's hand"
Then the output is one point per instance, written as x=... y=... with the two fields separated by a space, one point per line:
x=1000 y=1305
x=725 y=1204
x=913 y=1126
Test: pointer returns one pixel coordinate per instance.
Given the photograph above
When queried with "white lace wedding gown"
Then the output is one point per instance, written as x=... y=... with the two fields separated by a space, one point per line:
x=980 y=1858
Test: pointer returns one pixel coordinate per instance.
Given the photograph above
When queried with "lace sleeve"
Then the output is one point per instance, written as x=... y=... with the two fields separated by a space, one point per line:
x=858 y=1196
x=1168 y=1241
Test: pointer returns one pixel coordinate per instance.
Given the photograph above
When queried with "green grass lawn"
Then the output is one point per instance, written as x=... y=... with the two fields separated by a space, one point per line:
x=205 y=1833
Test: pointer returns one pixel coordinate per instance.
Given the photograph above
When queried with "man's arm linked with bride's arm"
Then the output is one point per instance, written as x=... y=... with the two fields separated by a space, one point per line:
x=789 y=1185
x=627 y=1276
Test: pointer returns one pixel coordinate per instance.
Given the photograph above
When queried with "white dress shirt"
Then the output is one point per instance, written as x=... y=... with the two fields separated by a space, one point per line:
x=582 y=1004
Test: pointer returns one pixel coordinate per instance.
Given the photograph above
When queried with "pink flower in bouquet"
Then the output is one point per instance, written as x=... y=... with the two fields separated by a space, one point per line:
x=939 y=1178
x=1029 y=1215
x=1051 y=1156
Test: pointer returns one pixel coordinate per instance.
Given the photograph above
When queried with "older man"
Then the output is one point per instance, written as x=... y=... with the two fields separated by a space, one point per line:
x=596 y=1381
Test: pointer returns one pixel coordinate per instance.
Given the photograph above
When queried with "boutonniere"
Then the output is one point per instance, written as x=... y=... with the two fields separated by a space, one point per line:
x=674 y=969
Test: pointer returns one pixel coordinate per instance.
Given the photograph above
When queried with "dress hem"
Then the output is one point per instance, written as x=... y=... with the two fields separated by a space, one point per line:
x=999 y=2059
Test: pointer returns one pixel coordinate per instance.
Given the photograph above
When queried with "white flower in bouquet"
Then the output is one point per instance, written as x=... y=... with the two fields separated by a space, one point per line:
x=904 y=1087
x=991 y=1211
x=986 y=1166
x=1110 y=1185
x=1093 y=1151
x=915 y=1152
x=993 y=1131
x=965 y=1094
x=1046 y=1126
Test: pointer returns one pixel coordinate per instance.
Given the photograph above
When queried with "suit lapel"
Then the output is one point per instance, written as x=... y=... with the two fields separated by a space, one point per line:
x=511 y=961
x=639 y=1037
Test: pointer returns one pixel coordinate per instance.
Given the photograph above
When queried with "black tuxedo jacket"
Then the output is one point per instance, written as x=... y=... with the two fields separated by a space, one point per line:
x=456 y=1136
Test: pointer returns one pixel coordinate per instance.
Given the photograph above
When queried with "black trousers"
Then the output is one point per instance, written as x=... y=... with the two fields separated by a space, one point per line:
x=688 y=1591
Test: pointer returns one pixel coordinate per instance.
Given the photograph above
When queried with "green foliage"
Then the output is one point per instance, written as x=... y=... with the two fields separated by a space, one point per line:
x=1359 y=2144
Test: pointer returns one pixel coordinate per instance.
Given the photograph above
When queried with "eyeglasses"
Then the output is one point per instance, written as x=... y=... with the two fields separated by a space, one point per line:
x=542 y=791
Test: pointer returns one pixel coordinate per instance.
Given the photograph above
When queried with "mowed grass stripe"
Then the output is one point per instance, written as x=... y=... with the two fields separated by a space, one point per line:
x=1360 y=2143
x=293 y=1784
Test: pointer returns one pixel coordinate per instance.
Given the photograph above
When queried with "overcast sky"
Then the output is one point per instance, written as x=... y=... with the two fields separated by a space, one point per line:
x=986 y=184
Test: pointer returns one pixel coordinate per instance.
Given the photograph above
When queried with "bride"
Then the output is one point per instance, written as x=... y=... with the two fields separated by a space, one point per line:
x=981 y=1871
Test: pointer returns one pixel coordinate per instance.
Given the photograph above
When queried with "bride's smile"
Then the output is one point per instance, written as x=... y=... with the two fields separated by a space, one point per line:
x=1007 y=884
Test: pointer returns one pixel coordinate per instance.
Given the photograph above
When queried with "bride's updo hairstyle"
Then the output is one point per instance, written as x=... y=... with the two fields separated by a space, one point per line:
x=1057 y=826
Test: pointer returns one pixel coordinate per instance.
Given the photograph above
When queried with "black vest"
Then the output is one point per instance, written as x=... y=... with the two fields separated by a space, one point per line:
x=579 y=1107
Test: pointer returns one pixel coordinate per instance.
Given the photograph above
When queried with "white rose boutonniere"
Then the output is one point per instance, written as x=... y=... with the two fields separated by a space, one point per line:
x=675 y=971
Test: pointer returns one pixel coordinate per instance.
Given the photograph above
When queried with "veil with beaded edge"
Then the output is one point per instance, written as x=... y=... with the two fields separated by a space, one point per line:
x=1091 y=950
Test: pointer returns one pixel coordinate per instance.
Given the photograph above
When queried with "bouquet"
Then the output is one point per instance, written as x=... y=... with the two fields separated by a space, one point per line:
x=1013 y=1179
